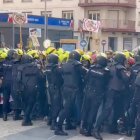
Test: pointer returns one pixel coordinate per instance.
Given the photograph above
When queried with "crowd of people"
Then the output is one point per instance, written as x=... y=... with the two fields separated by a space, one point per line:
x=90 y=90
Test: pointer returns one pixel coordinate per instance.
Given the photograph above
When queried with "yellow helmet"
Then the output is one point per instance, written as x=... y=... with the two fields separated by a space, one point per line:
x=19 y=52
x=81 y=52
x=64 y=57
x=60 y=51
x=127 y=54
x=3 y=55
x=50 y=50
x=89 y=53
x=86 y=57
x=33 y=53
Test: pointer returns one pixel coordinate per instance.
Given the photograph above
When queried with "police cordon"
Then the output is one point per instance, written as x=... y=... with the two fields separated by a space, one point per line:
x=76 y=80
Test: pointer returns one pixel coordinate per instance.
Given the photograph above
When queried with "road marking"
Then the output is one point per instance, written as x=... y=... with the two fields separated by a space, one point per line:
x=51 y=137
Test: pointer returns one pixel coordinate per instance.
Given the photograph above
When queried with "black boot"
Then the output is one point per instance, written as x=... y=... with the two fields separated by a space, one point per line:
x=17 y=115
x=59 y=131
x=82 y=128
x=53 y=125
x=96 y=134
x=5 y=117
x=27 y=122
x=129 y=132
x=88 y=131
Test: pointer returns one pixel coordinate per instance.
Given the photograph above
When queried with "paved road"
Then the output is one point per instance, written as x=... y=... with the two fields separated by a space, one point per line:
x=12 y=130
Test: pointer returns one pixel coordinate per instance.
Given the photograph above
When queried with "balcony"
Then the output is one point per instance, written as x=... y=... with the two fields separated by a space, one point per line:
x=116 y=3
x=109 y=25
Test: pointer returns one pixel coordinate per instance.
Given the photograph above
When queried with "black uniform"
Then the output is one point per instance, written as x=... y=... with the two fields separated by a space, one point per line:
x=136 y=101
x=28 y=74
x=16 y=95
x=1 y=89
x=114 y=97
x=97 y=81
x=55 y=82
x=72 y=72
x=7 y=80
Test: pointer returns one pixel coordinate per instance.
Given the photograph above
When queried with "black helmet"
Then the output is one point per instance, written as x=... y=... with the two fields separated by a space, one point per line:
x=11 y=54
x=120 y=58
x=53 y=58
x=101 y=60
x=75 y=55
x=26 y=59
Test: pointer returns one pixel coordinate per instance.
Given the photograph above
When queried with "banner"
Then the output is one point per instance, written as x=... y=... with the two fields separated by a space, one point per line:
x=91 y=25
x=35 y=32
x=20 y=18
x=35 y=41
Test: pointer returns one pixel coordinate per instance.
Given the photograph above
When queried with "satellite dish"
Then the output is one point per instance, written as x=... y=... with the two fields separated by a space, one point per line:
x=47 y=43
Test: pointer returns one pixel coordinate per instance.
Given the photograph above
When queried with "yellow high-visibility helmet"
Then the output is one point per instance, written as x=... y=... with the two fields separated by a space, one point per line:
x=85 y=57
x=50 y=50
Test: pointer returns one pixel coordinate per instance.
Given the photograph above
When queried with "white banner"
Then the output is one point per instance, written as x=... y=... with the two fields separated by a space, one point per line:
x=91 y=25
x=35 y=41
x=19 y=18
x=35 y=32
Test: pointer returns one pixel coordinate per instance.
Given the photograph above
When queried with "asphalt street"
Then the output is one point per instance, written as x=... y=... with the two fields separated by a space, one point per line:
x=12 y=130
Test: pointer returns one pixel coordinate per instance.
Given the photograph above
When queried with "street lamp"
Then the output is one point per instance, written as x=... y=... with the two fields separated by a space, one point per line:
x=46 y=22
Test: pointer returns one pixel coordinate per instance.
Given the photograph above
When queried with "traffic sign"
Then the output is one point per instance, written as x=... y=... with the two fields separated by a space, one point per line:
x=103 y=42
x=83 y=43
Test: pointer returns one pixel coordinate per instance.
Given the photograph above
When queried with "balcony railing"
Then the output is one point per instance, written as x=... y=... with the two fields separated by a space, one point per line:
x=118 y=3
x=117 y=25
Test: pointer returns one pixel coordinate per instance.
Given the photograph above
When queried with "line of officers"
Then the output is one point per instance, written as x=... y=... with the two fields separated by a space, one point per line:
x=79 y=92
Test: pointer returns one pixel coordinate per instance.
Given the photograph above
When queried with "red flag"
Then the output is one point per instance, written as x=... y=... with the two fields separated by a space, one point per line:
x=10 y=18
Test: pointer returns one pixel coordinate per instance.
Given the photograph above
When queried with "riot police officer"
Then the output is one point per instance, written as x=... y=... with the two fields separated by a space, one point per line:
x=72 y=73
x=132 y=112
x=116 y=87
x=136 y=101
x=97 y=81
x=17 y=103
x=7 y=80
x=55 y=82
x=27 y=77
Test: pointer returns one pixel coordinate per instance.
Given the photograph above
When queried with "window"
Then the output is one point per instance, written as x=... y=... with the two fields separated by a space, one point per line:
x=127 y=43
x=67 y=14
x=7 y=1
x=49 y=13
x=95 y=15
x=26 y=0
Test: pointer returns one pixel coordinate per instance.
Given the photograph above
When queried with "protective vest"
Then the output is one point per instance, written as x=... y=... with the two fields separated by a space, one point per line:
x=97 y=79
x=28 y=75
x=118 y=78
x=71 y=74
x=54 y=76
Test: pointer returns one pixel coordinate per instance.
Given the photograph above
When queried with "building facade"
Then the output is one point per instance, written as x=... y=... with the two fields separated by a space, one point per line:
x=120 y=19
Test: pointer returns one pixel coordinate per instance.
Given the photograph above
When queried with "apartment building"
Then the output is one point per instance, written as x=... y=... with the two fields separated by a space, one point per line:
x=120 y=19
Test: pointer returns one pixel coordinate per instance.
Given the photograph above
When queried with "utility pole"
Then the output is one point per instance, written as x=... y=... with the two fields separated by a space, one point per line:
x=46 y=22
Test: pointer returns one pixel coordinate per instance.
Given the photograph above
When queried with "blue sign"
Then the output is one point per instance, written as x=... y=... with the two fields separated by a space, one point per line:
x=4 y=17
x=33 y=19
x=68 y=47
x=83 y=43
x=36 y=19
